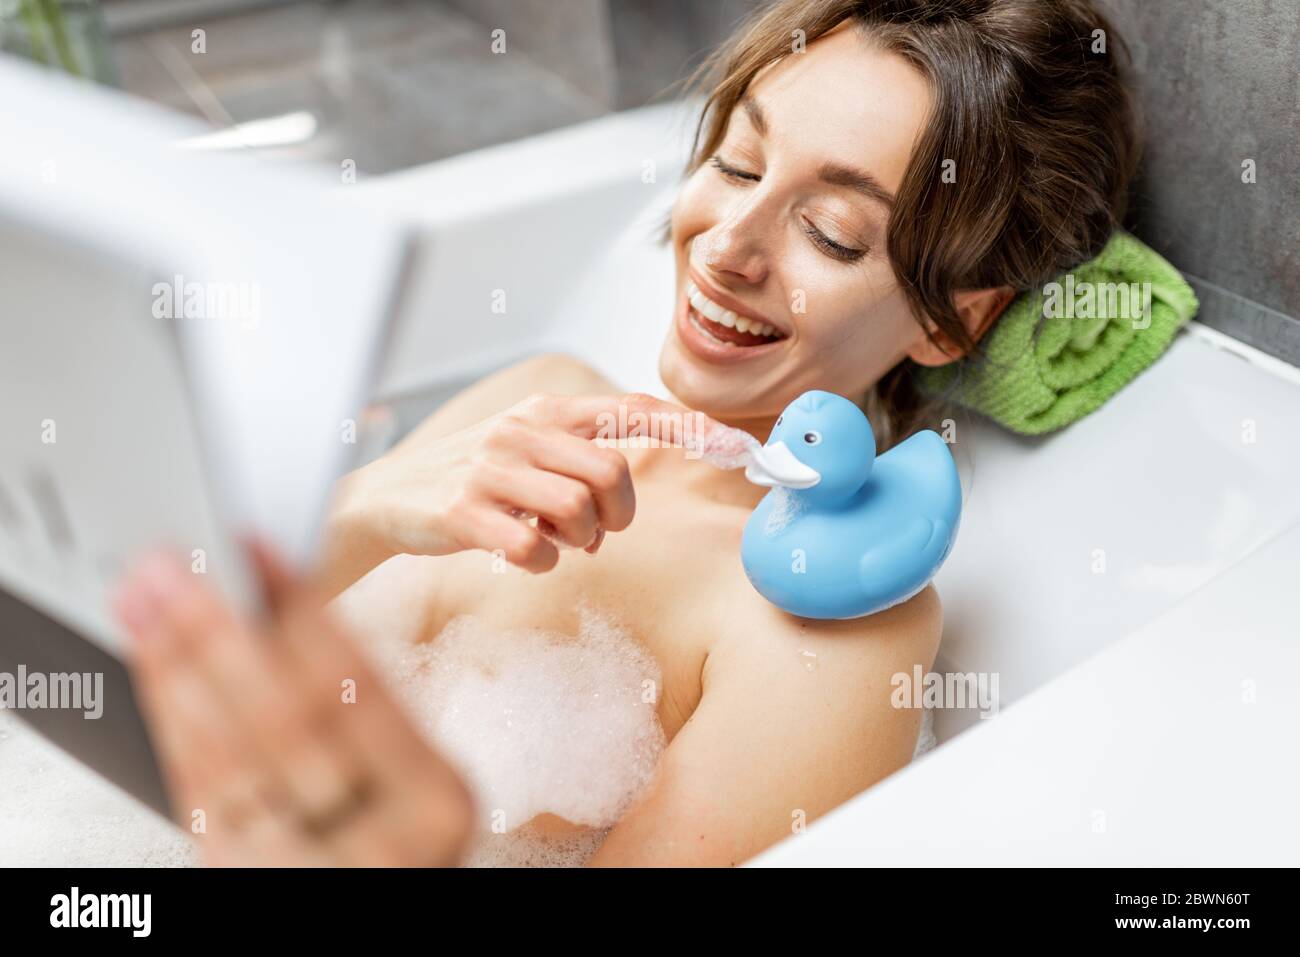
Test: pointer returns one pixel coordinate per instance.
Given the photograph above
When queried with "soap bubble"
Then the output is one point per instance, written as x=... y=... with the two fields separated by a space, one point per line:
x=529 y=847
x=926 y=740
x=724 y=447
x=539 y=723
x=56 y=812
x=786 y=505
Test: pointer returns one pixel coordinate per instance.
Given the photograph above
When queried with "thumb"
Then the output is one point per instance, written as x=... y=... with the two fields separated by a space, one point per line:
x=279 y=581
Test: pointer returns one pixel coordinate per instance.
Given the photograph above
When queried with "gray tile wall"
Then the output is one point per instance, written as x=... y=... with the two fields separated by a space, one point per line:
x=570 y=38
x=1219 y=83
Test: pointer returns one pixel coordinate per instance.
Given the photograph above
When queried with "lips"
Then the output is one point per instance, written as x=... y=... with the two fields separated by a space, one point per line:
x=720 y=329
x=726 y=323
x=724 y=335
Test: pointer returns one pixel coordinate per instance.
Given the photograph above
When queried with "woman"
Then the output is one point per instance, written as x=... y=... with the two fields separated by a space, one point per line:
x=873 y=183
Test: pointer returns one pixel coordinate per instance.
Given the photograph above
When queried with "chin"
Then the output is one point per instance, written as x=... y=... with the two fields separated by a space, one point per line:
x=718 y=392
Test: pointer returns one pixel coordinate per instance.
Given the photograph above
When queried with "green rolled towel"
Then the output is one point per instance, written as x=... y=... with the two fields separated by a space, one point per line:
x=1058 y=353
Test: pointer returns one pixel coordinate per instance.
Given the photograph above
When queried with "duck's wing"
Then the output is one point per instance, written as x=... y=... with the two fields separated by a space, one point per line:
x=922 y=467
x=923 y=491
x=894 y=571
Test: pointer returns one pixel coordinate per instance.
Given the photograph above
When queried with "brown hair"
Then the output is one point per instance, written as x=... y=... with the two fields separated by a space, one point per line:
x=1041 y=129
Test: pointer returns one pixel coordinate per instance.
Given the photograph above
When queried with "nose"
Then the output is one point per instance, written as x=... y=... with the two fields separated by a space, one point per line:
x=735 y=247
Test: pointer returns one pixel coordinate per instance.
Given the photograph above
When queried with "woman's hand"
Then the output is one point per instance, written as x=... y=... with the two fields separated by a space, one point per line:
x=468 y=490
x=279 y=744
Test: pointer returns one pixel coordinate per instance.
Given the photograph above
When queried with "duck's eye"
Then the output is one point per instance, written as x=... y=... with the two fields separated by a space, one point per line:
x=812 y=438
x=780 y=419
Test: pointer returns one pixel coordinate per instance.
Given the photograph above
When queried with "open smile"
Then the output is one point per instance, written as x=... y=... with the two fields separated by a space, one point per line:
x=717 y=332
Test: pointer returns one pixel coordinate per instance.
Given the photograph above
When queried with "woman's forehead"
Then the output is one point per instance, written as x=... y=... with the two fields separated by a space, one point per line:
x=844 y=100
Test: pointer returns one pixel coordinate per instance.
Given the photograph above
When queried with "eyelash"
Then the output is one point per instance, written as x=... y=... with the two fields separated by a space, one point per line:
x=820 y=240
x=726 y=169
x=831 y=247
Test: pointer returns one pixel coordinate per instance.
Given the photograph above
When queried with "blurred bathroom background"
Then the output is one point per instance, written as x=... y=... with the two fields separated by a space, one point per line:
x=395 y=83
x=390 y=84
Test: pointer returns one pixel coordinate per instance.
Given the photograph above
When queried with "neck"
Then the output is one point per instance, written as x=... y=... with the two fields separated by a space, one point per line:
x=729 y=487
x=725 y=486
x=759 y=427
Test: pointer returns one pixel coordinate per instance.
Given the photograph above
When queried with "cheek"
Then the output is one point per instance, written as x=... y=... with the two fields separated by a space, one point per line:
x=695 y=209
x=853 y=312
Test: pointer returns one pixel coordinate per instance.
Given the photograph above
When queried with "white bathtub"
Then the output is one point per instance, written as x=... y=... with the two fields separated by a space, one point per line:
x=1162 y=480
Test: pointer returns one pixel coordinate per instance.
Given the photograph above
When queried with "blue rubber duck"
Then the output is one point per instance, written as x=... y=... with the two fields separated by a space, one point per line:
x=843 y=533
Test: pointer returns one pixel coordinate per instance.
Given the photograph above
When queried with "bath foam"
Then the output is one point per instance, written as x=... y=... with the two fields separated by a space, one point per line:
x=528 y=847
x=56 y=812
x=724 y=447
x=538 y=722
x=785 y=507
x=926 y=741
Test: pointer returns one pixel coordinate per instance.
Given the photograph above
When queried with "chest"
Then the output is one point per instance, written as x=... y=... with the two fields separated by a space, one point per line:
x=670 y=581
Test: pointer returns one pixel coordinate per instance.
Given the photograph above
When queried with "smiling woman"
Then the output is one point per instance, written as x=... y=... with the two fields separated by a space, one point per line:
x=790 y=214
x=873 y=182
x=937 y=157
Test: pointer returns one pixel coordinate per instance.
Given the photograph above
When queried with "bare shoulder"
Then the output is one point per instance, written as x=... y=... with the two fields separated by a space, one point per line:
x=907 y=634
x=834 y=678
x=551 y=372
x=796 y=718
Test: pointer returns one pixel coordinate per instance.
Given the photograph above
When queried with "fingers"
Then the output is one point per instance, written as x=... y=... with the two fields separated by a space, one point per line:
x=269 y=735
x=214 y=772
x=614 y=417
x=276 y=576
x=369 y=767
x=421 y=810
x=566 y=503
x=520 y=544
x=604 y=472
x=539 y=458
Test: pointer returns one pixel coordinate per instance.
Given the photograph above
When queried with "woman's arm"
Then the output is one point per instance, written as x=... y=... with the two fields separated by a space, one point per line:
x=353 y=545
x=775 y=743
x=551 y=372
x=460 y=480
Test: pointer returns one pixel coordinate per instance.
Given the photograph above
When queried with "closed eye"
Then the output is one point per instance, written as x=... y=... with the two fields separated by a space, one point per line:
x=731 y=172
x=831 y=247
x=823 y=242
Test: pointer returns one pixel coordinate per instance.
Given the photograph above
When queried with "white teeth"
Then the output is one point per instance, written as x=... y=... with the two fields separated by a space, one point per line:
x=711 y=309
x=722 y=342
x=723 y=316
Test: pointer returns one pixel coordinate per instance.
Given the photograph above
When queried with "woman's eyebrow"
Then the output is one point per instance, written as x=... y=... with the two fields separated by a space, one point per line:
x=832 y=173
x=856 y=180
x=755 y=114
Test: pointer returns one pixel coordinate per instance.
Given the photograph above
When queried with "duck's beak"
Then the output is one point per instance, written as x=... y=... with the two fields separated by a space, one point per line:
x=776 y=465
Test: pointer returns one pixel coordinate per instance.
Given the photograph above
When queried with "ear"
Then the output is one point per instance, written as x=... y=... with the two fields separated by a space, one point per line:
x=978 y=309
